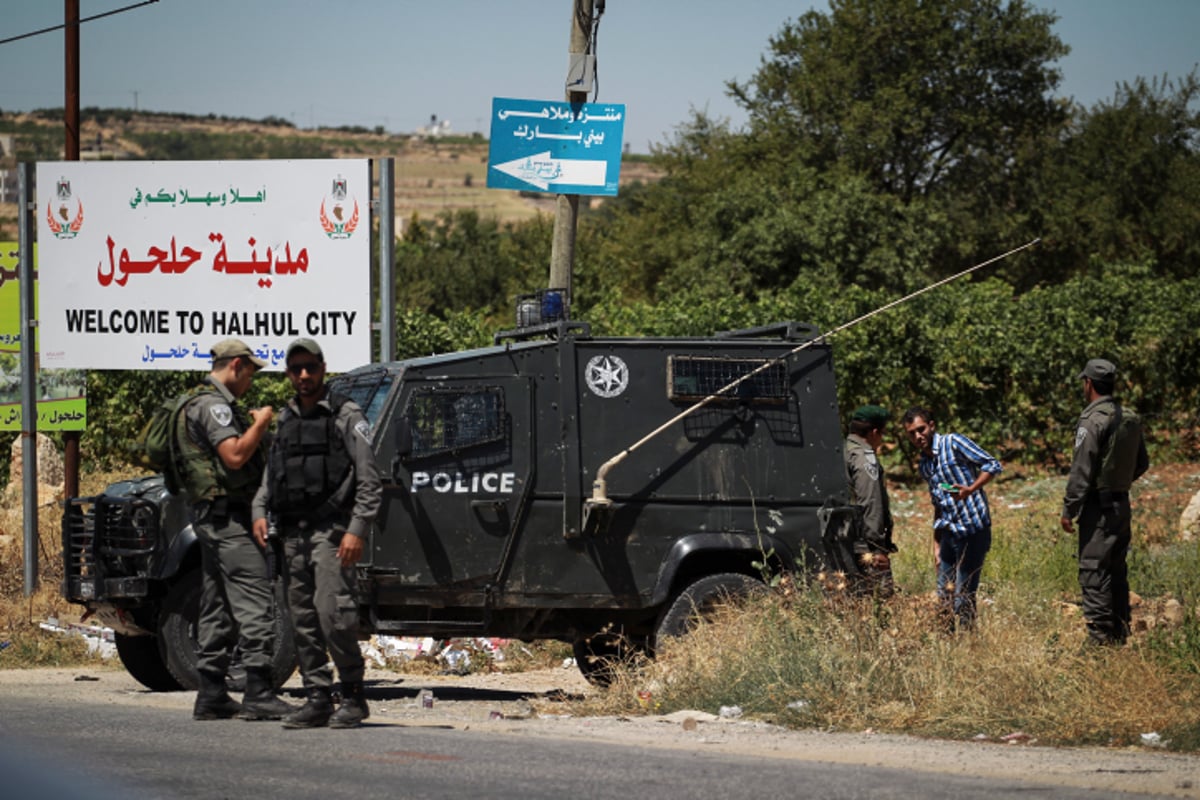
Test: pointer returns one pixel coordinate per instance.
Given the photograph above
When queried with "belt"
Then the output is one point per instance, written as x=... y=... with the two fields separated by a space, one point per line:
x=223 y=506
x=1111 y=495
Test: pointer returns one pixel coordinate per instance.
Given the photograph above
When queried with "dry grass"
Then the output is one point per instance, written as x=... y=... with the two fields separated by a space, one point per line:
x=803 y=660
x=28 y=645
x=806 y=658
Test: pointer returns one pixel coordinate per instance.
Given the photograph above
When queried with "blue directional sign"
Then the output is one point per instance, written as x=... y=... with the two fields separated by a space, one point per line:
x=557 y=147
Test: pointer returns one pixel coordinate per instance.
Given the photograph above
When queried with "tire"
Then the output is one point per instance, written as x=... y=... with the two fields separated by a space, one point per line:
x=144 y=661
x=177 y=625
x=700 y=599
x=602 y=657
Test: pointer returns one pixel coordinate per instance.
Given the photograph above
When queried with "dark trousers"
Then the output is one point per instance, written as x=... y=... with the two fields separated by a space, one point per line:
x=321 y=599
x=236 y=603
x=960 y=564
x=1104 y=535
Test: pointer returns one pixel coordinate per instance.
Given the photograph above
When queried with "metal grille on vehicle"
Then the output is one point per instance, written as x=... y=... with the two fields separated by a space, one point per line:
x=108 y=537
x=696 y=377
x=78 y=552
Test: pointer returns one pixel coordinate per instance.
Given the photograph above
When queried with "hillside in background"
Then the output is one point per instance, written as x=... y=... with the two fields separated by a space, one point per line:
x=433 y=174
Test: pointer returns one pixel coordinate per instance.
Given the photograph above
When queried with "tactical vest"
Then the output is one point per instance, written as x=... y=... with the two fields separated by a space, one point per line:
x=308 y=462
x=1119 y=449
x=203 y=473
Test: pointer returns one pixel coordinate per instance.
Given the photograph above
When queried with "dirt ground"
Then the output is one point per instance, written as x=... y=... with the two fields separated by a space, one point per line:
x=526 y=704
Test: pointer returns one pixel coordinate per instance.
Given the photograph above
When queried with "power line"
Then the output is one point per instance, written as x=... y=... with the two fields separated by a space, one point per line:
x=85 y=19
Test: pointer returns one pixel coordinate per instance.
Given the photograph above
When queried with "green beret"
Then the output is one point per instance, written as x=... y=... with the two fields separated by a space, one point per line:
x=872 y=415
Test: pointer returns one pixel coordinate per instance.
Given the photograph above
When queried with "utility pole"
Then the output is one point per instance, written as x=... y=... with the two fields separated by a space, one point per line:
x=71 y=116
x=71 y=102
x=28 y=351
x=566 y=216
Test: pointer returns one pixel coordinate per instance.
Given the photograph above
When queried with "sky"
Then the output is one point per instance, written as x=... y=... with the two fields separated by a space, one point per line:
x=397 y=63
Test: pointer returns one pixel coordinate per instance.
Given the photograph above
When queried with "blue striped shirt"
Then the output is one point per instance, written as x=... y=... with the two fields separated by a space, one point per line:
x=958 y=460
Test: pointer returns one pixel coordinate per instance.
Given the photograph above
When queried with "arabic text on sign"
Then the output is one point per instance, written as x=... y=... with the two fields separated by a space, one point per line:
x=162 y=196
x=176 y=262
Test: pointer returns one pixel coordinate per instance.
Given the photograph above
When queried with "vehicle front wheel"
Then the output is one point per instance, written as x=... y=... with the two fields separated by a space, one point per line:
x=601 y=657
x=177 y=631
x=700 y=600
x=145 y=662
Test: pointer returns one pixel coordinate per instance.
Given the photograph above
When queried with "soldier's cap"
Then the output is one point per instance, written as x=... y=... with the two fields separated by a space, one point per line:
x=1100 y=370
x=307 y=345
x=872 y=415
x=228 y=348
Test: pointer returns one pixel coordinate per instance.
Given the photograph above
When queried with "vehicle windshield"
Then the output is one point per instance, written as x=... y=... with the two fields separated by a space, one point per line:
x=368 y=389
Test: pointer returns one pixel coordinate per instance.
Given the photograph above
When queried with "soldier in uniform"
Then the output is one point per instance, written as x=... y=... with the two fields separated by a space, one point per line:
x=221 y=462
x=1110 y=454
x=322 y=489
x=865 y=479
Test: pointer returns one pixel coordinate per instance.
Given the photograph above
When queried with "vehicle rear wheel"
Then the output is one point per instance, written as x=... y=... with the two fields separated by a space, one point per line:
x=177 y=625
x=144 y=661
x=603 y=656
x=700 y=599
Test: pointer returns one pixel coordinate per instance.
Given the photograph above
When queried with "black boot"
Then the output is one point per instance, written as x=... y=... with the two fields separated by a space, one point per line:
x=353 y=709
x=314 y=713
x=212 y=699
x=260 y=700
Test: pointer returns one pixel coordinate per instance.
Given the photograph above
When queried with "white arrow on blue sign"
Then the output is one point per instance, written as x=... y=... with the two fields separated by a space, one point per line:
x=559 y=147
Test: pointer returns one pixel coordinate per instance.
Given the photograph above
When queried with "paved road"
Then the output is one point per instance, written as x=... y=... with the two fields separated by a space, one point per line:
x=98 y=745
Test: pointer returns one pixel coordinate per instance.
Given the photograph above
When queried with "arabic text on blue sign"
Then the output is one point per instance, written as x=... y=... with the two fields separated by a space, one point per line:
x=555 y=146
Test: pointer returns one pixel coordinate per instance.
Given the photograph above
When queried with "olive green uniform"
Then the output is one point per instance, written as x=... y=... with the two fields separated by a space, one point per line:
x=321 y=592
x=1098 y=496
x=236 y=604
x=864 y=476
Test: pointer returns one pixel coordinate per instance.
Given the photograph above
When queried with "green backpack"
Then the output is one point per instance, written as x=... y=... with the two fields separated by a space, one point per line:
x=156 y=447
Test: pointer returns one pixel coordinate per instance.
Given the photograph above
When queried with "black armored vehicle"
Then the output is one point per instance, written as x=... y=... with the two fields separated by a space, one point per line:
x=555 y=485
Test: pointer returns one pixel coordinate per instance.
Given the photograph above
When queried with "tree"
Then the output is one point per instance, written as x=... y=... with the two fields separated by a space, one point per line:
x=733 y=217
x=463 y=261
x=920 y=96
x=1126 y=184
x=889 y=142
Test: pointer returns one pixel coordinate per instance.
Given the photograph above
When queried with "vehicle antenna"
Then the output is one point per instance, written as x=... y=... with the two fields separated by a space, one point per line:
x=600 y=500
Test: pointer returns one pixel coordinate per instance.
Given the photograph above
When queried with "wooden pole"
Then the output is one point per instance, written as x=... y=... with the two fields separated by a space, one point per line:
x=566 y=216
x=71 y=118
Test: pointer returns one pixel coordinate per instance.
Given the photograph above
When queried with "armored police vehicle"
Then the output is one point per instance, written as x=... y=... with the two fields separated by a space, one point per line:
x=555 y=485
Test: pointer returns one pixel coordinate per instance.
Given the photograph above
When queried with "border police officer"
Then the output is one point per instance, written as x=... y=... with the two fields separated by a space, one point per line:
x=221 y=462
x=864 y=475
x=1110 y=454
x=322 y=486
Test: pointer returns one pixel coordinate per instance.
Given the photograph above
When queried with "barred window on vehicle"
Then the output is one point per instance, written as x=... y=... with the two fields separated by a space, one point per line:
x=757 y=380
x=451 y=420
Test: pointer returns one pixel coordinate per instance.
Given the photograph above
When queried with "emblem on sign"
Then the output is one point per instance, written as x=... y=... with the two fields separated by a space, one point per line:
x=338 y=223
x=59 y=219
x=606 y=376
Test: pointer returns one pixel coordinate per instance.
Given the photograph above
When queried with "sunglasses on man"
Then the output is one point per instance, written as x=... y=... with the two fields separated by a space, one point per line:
x=311 y=367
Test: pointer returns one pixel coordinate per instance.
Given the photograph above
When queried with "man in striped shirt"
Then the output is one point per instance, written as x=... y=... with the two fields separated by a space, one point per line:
x=956 y=470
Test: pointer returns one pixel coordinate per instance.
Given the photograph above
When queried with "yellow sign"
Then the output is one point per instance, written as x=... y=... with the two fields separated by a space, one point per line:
x=61 y=396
